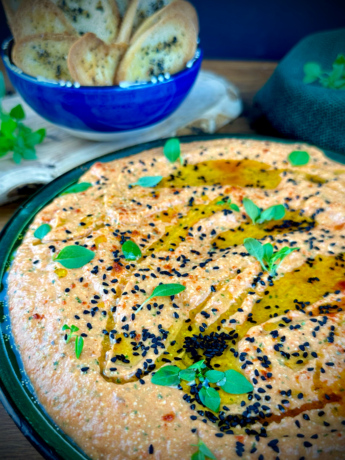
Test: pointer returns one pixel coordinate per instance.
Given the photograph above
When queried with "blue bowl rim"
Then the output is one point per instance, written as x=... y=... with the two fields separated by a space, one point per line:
x=8 y=43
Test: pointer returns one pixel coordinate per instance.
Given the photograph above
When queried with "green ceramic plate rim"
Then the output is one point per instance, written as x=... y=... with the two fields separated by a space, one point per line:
x=31 y=418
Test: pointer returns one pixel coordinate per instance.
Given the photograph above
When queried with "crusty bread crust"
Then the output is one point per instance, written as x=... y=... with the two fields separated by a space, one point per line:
x=178 y=6
x=165 y=47
x=127 y=23
x=44 y=55
x=35 y=17
x=91 y=62
x=10 y=7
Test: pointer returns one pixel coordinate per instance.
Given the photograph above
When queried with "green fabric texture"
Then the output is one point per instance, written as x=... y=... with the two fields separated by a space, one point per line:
x=307 y=112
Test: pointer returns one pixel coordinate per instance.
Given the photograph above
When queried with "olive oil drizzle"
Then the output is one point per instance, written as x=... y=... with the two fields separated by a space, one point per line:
x=294 y=290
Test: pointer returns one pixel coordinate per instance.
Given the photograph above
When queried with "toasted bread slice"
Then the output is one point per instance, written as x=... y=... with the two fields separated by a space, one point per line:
x=44 y=56
x=10 y=7
x=147 y=8
x=165 y=47
x=178 y=6
x=35 y=17
x=92 y=62
x=100 y=17
x=127 y=22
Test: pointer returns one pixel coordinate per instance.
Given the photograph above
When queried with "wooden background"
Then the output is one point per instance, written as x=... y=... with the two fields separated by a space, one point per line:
x=249 y=77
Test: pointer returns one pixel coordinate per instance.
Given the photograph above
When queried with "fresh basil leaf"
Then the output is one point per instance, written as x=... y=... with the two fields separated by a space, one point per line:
x=268 y=252
x=6 y=145
x=251 y=209
x=32 y=139
x=221 y=202
x=210 y=398
x=79 y=344
x=71 y=330
x=198 y=366
x=234 y=207
x=236 y=383
x=256 y=250
x=340 y=59
x=198 y=455
x=275 y=212
x=20 y=142
x=17 y=112
x=29 y=154
x=148 y=181
x=42 y=133
x=339 y=84
x=164 y=290
x=312 y=72
x=172 y=150
x=335 y=74
x=167 y=376
x=23 y=129
x=282 y=253
x=2 y=86
x=205 y=450
x=131 y=250
x=8 y=127
x=254 y=247
x=42 y=231
x=17 y=158
x=214 y=376
x=77 y=188
x=74 y=256
x=299 y=158
x=187 y=374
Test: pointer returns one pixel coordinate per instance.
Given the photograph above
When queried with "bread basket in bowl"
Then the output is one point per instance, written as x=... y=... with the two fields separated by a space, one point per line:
x=103 y=109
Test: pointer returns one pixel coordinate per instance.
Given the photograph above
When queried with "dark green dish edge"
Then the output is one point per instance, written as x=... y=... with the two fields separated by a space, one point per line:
x=17 y=400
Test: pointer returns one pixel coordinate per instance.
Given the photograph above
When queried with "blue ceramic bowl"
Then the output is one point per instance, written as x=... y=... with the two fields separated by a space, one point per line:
x=107 y=109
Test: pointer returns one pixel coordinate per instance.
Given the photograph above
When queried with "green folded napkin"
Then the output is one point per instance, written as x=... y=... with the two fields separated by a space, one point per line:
x=308 y=112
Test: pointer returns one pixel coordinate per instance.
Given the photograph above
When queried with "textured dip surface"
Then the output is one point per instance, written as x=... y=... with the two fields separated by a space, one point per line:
x=285 y=334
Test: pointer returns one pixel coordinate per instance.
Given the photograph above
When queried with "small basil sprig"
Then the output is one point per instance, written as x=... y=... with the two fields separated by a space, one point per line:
x=42 y=231
x=79 y=341
x=164 y=290
x=74 y=256
x=230 y=381
x=265 y=254
x=275 y=212
x=299 y=158
x=203 y=452
x=79 y=345
x=77 y=188
x=148 y=181
x=334 y=79
x=130 y=250
x=172 y=150
x=14 y=135
x=232 y=206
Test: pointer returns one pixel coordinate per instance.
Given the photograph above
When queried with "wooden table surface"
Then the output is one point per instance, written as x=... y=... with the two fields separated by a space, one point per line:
x=249 y=77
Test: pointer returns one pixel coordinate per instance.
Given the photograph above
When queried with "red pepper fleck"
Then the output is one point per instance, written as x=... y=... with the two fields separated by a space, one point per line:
x=168 y=417
x=37 y=316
